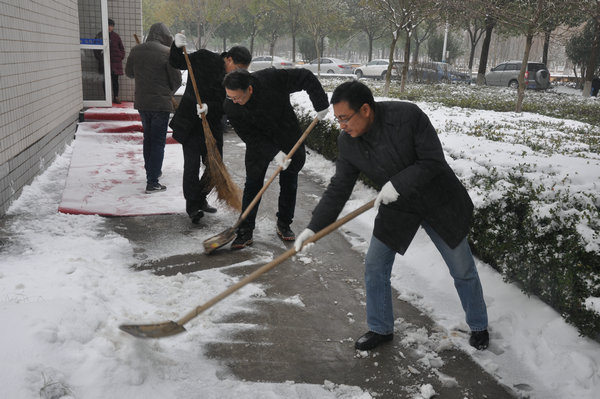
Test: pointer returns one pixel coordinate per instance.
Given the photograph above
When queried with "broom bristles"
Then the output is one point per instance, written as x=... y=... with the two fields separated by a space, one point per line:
x=226 y=188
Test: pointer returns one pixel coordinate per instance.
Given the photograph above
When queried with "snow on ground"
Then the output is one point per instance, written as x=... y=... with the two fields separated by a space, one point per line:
x=66 y=286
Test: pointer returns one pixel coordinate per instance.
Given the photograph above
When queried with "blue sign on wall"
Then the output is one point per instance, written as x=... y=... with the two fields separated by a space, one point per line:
x=83 y=40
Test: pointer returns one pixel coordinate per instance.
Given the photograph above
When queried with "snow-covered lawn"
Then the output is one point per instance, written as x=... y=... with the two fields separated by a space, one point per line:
x=66 y=286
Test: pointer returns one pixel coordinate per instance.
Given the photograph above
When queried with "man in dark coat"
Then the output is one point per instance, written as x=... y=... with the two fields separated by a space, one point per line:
x=258 y=107
x=209 y=70
x=395 y=145
x=155 y=83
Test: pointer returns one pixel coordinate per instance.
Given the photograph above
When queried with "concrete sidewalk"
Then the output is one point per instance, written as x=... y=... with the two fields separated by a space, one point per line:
x=310 y=339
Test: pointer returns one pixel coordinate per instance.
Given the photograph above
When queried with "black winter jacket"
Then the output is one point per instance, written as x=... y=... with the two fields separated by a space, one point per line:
x=209 y=71
x=402 y=147
x=268 y=119
x=155 y=79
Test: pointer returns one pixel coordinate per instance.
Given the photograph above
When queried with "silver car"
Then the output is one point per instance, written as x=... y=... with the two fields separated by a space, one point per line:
x=375 y=69
x=329 y=65
x=506 y=74
x=268 y=61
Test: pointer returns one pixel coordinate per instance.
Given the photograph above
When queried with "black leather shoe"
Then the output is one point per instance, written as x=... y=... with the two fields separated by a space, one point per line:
x=196 y=216
x=284 y=231
x=370 y=340
x=207 y=208
x=479 y=339
x=243 y=239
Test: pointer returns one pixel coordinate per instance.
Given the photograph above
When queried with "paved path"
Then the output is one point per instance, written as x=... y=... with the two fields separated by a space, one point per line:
x=310 y=339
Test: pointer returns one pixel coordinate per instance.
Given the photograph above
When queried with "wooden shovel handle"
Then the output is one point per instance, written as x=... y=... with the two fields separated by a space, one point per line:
x=275 y=262
x=252 y=204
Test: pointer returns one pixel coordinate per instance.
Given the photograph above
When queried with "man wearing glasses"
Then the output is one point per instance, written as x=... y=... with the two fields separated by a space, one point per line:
x=394 y=144
x=258 y=107
x=209 y=70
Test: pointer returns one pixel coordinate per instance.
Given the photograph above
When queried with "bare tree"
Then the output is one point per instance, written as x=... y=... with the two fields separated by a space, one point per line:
x=322 y=18
x=367 y=20
x=403 y=16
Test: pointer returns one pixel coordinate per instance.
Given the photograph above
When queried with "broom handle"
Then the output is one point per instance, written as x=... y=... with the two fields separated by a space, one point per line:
x=244 y=215
x=275 y=262
x=205 y=125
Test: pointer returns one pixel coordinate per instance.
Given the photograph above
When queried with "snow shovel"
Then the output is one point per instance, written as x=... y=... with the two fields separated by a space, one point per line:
x=227 y=190
x=228 y=235
x=169 y=328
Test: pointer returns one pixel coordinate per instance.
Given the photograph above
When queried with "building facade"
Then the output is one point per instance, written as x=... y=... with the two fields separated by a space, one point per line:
x=45 y=76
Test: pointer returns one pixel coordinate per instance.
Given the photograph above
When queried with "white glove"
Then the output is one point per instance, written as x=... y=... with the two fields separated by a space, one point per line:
x=305 y=235
x=387 y=194
x=281 y=161
x=202 y=110
x=322 y=113
x=180 y=39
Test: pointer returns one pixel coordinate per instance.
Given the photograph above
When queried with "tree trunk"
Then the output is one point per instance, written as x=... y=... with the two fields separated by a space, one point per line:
x=485 y=48
x=370 y=56
x=591 y=65
x=294 y=48
x=546 y=48
x=388 y=74
x=406 y=60
x=521 y=89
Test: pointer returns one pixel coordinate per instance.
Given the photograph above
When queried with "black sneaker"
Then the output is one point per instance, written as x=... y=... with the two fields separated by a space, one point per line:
x=207 y=208
x=243 y=239
x=154 y=188
x=284 y=231
x=479 y=339
x=370 y=340
x=196 y=216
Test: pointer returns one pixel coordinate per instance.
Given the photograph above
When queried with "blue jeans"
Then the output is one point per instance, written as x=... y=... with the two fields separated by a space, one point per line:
x=460 y=262
x=155 y=125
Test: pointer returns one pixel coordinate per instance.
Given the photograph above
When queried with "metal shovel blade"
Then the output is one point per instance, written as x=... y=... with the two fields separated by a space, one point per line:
x=158 y=330
x=219 y=240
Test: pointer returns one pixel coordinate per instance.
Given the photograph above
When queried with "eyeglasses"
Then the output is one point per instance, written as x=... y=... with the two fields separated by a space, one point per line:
x=345 y=121
x=236 y=98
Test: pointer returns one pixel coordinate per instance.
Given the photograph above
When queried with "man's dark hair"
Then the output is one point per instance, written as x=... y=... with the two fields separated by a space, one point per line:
x=354 y=93
x=239 y=54
x=111 y=22
x=240 y=79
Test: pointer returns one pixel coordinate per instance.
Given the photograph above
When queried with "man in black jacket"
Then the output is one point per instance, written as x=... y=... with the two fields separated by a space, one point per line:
x=155 y=83
x=395 y=145
x=209 y=70
x=258 y=107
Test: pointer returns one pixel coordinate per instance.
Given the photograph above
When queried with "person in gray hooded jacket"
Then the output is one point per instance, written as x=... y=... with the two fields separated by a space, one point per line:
x=155 y=83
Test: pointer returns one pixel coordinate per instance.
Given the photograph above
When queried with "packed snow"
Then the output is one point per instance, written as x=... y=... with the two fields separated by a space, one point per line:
x=67 y=285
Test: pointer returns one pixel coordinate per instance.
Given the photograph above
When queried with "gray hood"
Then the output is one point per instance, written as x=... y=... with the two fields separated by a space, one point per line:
x=160 y=33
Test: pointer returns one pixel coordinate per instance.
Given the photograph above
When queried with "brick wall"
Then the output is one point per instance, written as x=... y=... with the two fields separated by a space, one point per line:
x=40 y=88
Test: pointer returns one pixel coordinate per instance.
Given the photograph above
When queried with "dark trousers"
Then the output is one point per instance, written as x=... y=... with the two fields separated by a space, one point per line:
x=196 y=188
x=155 y=125
x=115 y=85
x=256 y=170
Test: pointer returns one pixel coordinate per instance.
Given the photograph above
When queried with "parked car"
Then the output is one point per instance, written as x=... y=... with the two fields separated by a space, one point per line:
x=537 y=75
x=329 y=65
x=268 y=61
x=438 y=72
x=376 y=69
